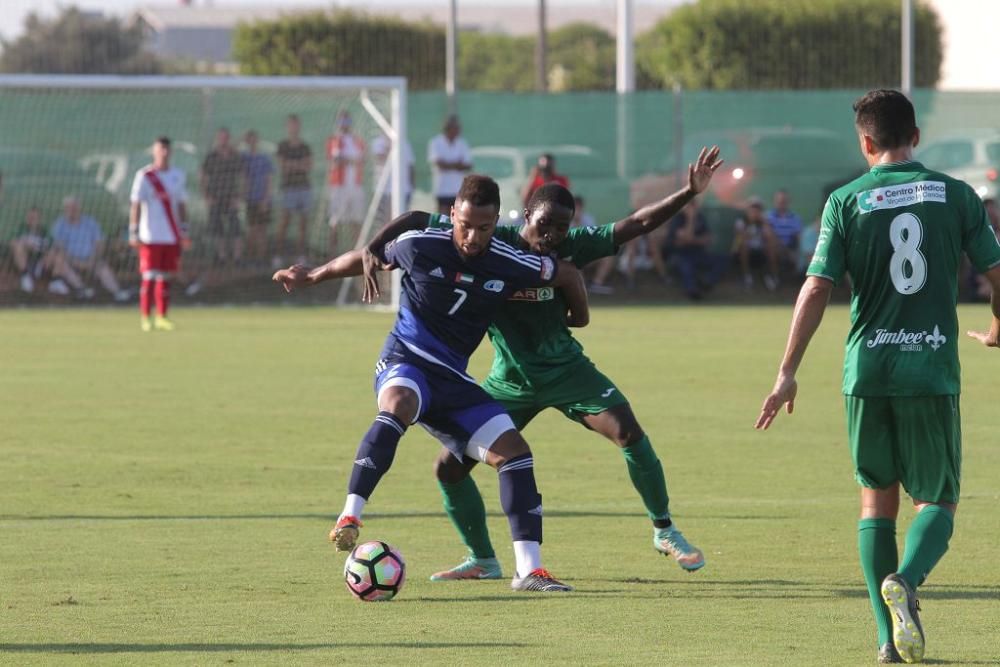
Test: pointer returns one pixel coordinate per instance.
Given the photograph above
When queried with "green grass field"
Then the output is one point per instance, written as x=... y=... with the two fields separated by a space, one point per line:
x=165 y=499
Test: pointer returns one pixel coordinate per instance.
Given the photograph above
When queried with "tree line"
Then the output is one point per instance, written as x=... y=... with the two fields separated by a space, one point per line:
x=708 y=44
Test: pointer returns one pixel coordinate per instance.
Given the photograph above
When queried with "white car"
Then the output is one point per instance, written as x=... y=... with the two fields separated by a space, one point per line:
x=973 y=156
x=589 y=175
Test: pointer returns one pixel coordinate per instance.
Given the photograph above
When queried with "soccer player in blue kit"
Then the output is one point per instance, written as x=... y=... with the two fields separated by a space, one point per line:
x=453 y=283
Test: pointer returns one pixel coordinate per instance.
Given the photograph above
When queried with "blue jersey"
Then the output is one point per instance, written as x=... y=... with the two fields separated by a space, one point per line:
x=448 y=301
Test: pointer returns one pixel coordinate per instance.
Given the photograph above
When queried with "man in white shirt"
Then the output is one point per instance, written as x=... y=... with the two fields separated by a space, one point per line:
x=451 y=160
x=158 y=228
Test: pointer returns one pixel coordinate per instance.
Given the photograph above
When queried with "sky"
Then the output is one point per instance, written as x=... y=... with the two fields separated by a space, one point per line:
x=14 y=11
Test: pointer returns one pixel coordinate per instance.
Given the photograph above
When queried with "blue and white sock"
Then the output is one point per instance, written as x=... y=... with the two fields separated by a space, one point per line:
x=375 y=454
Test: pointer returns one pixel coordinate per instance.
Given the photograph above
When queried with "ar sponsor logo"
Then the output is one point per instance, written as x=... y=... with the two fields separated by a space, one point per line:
x=908 y=341
x=534 y=294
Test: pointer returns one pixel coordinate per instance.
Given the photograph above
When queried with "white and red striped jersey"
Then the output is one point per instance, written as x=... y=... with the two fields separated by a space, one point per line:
x=159 y=194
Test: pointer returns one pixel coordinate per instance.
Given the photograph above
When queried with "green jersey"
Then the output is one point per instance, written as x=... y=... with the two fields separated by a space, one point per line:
x=899 y=231
x=531 y=342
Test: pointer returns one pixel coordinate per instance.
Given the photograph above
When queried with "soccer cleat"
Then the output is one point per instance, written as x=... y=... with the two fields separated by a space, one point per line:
x=539 y=580
x=345 y=533
x=145 y=324
x=907 y=633
x=670 y=542
x=471 y=568
x=163 y=324
x=888 y=655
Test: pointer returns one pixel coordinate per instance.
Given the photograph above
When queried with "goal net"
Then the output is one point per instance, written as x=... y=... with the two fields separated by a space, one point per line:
x=72 y=145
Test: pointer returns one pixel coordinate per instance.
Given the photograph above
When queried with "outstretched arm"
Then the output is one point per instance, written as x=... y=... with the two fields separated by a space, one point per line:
x=648 y=218
x=809 y=309
x=570 y=281
x=343 y=266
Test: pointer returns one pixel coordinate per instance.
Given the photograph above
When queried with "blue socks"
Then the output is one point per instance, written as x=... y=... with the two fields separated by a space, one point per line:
x=520 y=499
x=375 y=454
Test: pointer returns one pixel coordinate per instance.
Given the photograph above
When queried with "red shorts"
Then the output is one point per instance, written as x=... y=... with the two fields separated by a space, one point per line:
x=159 y=257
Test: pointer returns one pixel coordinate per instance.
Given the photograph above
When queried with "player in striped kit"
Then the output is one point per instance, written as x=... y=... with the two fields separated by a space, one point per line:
x=158 y=229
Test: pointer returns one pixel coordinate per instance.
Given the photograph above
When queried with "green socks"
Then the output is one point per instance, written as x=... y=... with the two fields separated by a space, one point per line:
x=877 y=548
x=647 y=478
x=926 y=541
x=464 y=505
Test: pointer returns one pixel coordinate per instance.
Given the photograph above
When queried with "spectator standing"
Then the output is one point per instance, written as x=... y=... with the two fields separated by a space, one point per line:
x=221 y=176
x=257 y=170
x=755 y=245
x=787 y=227
x=381 y=148
x=80 y=240
x=345 y=154
x=451 y=159
x=687 y=243
x=158 y=229
x=543 y=172
x=294 y=165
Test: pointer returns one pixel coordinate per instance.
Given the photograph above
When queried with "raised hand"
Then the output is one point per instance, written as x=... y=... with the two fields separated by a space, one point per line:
x=783 y=393
x=700 y=173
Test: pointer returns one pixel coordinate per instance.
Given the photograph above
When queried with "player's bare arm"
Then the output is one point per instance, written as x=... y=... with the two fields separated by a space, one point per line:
x=182 y=213
x=133 y=225
x=570 y=281
x=991 y=338
x=343 y=266
x=809 y=308
x=648 y=218
x=371 y=264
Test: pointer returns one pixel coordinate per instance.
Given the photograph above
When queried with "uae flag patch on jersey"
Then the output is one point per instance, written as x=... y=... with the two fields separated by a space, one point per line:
x=464 y=278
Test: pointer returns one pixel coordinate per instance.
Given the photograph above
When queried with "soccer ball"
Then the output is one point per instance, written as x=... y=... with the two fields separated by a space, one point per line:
x=374 y=572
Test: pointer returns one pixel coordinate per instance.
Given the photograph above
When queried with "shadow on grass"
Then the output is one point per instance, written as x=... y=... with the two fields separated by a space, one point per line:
x=97 y=647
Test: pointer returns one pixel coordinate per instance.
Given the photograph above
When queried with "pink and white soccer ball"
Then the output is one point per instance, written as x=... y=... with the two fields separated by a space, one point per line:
x=374 y=572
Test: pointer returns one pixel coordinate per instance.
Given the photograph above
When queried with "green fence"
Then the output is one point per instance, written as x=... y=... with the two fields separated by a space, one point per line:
x=618 y=151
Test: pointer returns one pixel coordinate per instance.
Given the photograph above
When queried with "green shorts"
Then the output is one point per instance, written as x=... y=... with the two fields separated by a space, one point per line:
x=582 y=390
x=914 y=440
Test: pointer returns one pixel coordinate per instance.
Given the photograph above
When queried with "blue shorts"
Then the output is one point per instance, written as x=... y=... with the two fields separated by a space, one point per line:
x=454 y=410
x=297 y=199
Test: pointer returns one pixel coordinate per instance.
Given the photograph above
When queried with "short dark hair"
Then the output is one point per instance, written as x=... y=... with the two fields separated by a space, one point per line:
x=887 y=116
x=479 y=190
x=551 y=193
x=163 y=141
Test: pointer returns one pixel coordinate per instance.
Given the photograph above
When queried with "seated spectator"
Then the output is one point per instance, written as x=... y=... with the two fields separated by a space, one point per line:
x=80 y=240
x=543 y=172
x=755 y=245
x=30 y=248
x=787 y=227
x=982 y=285
x=687 y=243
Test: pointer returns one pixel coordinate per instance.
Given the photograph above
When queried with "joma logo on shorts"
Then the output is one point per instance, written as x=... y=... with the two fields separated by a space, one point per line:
x=908 y=341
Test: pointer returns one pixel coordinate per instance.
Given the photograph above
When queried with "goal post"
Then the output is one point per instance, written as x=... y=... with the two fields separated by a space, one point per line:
x=85 y=137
